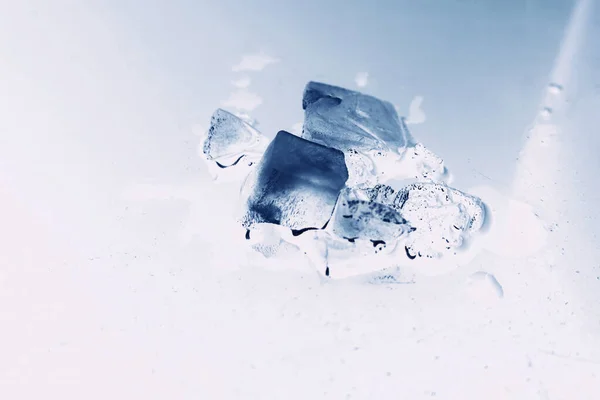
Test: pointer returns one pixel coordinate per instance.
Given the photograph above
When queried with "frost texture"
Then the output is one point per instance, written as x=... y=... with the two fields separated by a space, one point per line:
x=339 y=258
x=443 y=217
x=362 y=219
x=296 y=184
x=230 y=139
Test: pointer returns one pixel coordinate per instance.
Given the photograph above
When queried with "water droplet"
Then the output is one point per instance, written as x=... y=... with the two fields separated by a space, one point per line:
x=555 y=88
x=546 y=112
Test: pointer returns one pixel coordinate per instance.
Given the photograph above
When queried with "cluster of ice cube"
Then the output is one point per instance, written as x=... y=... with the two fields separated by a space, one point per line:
x=329 y=191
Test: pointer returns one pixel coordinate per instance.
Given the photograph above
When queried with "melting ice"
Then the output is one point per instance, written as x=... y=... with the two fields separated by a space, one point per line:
x=443 y=218
x=327 y=195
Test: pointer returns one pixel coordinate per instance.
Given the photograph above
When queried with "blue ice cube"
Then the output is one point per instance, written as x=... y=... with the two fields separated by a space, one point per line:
x=296 y=184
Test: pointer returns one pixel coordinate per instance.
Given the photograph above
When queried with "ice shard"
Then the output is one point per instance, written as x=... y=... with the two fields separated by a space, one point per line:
x=230 y=139
x=355 y=218
x=296 y=184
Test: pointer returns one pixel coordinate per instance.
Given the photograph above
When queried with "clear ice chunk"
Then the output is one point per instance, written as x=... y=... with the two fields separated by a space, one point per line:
x=444 y=218
x=230 y=139
x=349 y=120
x=296 y=184
x=377 y=143
x=355 y=218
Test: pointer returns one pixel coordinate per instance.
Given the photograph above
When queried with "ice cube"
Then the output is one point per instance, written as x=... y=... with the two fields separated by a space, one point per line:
x=444 y=218
x=354 y=218
x=296 y=184
x=230 y=139
x=377 y=143
x=349 y=120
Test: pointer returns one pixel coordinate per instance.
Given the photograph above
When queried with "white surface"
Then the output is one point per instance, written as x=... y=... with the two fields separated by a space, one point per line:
x=100 y=298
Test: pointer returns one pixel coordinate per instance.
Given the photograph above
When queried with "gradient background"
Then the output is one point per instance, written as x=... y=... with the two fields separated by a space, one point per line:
x=99 y=96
